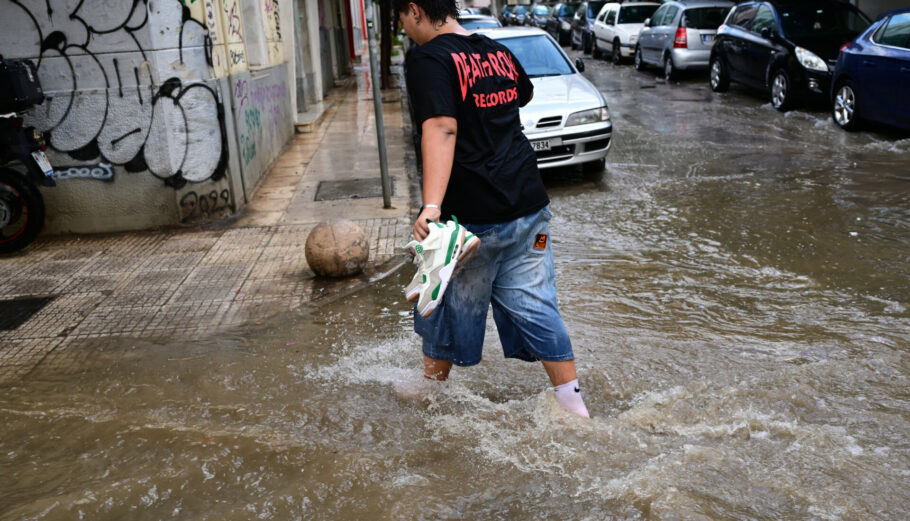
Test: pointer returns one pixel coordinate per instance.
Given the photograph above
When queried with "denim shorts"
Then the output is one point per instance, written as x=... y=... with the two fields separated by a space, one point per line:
x=513 y=271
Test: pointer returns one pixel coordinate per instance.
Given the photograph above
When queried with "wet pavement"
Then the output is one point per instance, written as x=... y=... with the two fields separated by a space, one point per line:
x=736 y=287
x=187 y=283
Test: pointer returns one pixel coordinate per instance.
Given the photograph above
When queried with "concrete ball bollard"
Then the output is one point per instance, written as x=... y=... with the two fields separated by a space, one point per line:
x=337 y=248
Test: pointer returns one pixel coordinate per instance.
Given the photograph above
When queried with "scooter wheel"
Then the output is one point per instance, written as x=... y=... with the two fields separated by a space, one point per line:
x=21 y=211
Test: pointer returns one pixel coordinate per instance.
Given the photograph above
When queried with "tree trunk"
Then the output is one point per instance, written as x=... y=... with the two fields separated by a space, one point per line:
x=385 y=24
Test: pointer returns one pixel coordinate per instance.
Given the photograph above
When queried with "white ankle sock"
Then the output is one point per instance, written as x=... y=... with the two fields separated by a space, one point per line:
x=569 y=397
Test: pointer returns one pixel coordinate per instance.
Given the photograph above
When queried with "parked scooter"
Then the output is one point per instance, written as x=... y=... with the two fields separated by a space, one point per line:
x=23 y=163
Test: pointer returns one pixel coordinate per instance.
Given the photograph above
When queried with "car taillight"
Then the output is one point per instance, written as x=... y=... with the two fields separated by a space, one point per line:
x=680 y=42
x=844 y=46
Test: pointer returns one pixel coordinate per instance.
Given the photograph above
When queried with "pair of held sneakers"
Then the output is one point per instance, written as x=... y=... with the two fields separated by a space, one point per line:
x=446 y=249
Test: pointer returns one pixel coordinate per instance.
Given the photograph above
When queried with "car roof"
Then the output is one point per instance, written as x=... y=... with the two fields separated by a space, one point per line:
x=703 y=3
x=509 y=32
x=476 y=17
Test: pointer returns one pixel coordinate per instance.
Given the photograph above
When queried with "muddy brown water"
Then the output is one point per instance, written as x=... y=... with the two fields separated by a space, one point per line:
x=736 y=286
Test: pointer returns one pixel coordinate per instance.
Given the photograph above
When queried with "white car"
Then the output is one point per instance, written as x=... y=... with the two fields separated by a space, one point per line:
x=567 y=121
x=617 y=26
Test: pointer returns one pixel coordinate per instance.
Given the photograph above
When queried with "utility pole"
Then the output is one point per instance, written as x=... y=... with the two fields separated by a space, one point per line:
x=377 y=106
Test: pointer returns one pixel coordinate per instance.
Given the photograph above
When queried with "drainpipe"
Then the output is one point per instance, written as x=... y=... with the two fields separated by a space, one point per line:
x=377 y=105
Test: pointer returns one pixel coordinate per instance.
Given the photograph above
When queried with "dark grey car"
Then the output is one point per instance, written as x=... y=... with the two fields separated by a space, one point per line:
x=679 y=36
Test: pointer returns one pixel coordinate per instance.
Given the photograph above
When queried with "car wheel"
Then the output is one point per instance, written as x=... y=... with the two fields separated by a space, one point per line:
x=639 y=63
x=669 y=70
x=782 y=95
x=844 y=110
x=720 y=80
x=617 y=52
x=596 y=53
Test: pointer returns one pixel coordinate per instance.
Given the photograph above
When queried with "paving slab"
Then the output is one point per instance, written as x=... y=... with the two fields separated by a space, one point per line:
x=186 y=283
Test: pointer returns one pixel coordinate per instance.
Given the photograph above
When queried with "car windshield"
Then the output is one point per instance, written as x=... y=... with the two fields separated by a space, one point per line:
x=705 y=17
x=594 y=8
x=542 y=10
x=478 y=23
x=801 y=20
x=521 y=10
x=636 y=14
x=538 y=55
x=568 y=9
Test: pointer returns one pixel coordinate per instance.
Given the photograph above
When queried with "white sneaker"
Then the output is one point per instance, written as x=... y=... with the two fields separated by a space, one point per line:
x=447 y=247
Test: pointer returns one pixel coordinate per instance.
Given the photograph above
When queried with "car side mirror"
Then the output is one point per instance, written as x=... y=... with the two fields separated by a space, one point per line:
x=580 y=64
x=766 y=33
x=647 y=22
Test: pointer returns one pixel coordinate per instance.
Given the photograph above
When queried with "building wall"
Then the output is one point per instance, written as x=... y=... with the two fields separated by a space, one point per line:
x=158 y=112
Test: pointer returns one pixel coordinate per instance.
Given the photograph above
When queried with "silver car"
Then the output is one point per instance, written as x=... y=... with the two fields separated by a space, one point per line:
x=679 y=36
x=567 y=121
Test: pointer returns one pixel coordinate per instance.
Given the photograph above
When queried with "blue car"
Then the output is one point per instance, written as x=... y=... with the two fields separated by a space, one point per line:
x=872 y=78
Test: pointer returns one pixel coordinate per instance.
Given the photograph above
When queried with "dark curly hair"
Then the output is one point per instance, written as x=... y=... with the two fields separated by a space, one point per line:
x=437 y=10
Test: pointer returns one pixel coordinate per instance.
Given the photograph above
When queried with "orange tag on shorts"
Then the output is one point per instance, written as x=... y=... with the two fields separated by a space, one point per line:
x=540 y=242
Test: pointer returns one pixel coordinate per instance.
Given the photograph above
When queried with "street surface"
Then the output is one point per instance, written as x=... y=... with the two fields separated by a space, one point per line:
x=736 y=286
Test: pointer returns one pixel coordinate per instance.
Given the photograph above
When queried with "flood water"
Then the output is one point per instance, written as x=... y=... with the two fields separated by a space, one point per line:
x=736 y=286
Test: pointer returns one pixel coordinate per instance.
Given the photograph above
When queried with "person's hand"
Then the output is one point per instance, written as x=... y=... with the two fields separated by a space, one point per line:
x=421 y=228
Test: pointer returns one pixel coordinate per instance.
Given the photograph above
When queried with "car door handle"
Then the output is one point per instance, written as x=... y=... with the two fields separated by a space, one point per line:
x=868 y=63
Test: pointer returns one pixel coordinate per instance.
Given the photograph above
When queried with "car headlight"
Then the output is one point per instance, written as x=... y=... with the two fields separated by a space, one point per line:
x=809 y=60
x=565 y=26
x=588 y=116
x=633 y=38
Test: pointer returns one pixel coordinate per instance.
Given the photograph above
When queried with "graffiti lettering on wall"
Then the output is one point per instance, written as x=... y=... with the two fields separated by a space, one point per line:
x=99 y=172
x=104 y=100
x=195 y=205
x=277 y=18
x=237 y=57
x=259 y=107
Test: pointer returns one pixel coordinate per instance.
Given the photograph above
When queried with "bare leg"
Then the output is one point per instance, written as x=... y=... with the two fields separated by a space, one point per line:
x=437 y=370
x=560 y=372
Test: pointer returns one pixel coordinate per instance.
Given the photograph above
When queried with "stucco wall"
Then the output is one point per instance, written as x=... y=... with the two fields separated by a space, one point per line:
x=140 y=107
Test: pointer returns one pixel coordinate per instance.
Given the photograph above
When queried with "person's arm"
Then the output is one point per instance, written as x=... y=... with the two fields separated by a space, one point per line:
x=437 y=146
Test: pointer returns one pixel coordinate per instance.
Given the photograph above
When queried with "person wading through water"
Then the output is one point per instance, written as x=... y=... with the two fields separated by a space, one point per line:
x=465 y=90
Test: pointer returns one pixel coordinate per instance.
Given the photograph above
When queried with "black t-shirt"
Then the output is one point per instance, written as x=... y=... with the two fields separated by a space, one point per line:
x=480 y=83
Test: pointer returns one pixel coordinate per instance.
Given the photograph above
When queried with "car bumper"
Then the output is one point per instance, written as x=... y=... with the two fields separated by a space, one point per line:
x=818 y=83
x=573 y=146
x=686 y=59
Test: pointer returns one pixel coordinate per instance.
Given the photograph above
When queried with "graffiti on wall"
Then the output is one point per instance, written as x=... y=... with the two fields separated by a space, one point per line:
x=195 y=205
x=99 y=64
x=259 y=108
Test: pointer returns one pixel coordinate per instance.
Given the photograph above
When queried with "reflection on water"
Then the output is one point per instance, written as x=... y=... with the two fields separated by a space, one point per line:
x=738 y=305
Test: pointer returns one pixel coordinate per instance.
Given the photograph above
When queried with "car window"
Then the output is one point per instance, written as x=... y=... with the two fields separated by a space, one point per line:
x=764 y=19
x=815 y=19
x=704 y=17
x=611 y=16
x=594 y=8
x=479 y=23
x=897 y=33
x=670 y=15
x=743 y=16
x=538 y=55
x=655 y=20
x=636 y=14
x=567 y=9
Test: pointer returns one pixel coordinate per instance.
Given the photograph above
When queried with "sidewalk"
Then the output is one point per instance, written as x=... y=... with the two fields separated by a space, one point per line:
x=61 y=294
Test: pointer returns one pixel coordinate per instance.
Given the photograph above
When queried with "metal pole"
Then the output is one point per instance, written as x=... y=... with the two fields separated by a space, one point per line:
x=377 y=105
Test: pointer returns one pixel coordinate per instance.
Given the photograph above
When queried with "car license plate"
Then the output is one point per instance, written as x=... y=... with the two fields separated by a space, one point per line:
x=541 y=146
x=707 y=38
x=41 y=158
